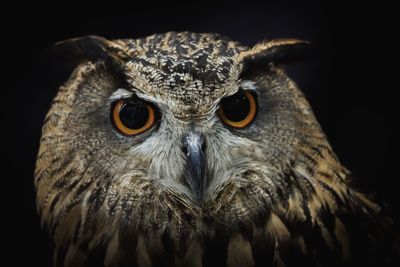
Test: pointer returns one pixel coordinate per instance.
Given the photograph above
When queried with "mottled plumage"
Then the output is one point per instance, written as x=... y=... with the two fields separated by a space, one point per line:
x=274 y=193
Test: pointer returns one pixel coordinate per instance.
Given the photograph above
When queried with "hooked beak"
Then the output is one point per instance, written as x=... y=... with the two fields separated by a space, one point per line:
x=193 y=147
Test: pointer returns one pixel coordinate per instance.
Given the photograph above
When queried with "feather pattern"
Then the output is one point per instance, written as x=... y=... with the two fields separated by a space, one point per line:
x=275 y=194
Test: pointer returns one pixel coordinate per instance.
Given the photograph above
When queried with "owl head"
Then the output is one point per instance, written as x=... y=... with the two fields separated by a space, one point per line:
x=158 y=148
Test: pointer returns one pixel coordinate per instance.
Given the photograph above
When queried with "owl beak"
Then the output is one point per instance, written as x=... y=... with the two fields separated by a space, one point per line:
x=193 y=147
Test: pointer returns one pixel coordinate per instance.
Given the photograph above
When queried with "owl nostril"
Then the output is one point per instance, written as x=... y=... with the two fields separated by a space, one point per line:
x=203 y=147
x=184 y=149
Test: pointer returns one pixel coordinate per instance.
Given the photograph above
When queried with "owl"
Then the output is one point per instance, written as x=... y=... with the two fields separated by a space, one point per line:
x=189 y=149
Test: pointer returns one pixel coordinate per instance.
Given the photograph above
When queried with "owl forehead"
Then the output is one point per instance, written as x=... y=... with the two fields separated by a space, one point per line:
x=188 y=68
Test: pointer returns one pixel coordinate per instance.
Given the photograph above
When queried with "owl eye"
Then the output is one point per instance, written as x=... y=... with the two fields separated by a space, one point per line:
x=132 y=118
x=238 y=110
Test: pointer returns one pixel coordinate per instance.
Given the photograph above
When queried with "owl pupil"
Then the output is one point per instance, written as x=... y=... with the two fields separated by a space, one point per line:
x=134 y=116
x=236 y=107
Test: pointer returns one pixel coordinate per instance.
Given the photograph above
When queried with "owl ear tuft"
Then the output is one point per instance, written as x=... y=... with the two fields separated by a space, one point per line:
x=278 y=51
x=89 y=48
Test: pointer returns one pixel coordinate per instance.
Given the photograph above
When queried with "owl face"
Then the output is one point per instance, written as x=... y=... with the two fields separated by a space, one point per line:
x=186 y=134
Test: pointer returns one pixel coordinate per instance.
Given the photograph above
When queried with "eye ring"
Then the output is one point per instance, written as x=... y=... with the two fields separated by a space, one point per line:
x=125 y=108
x=239 y=100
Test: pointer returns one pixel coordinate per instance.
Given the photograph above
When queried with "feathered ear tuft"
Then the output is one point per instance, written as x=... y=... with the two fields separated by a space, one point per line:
x=89 y=48
x=277 y=51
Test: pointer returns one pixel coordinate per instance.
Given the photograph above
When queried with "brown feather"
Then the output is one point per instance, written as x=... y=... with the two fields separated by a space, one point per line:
x=239 y=252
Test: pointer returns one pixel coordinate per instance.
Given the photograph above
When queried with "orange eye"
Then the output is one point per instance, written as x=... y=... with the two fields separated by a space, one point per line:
x=238 y=110
x=132 y=118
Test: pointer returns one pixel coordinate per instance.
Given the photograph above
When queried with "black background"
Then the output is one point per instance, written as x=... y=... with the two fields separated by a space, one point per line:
x=351 y=85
